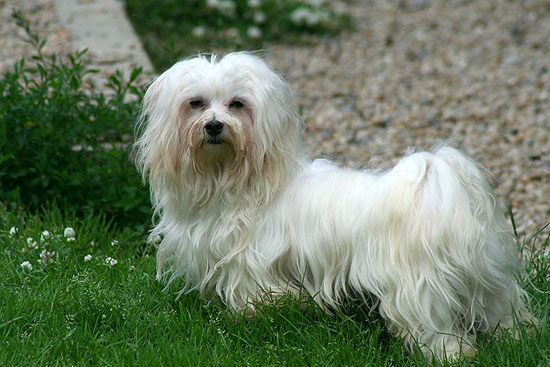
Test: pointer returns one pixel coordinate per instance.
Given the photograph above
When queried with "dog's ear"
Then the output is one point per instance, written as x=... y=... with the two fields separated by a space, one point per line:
x=278 y=147
x=156 y=148
x=279 y=126
x=152 y=95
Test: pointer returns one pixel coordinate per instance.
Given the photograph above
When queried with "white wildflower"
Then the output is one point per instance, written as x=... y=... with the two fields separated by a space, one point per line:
x=259 y=17
x=31 y=243
x=226 y=7
x=254 y=32
x=254 y=3
x=299 y=15
x=26 y=265
x=212 y=4
x=88 y=258
x=132 y=268
x=199 y=31
x=305 y=16
x=231 y=33
x=114 y=243
x=46 y=235
x=110 y=261
x=69 y=234
x=46 y=257
x=13 y=231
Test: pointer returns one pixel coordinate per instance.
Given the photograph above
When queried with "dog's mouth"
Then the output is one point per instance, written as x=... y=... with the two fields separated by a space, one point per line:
x=214 y=140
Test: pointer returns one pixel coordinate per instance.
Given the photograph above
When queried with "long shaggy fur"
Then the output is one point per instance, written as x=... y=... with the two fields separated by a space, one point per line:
x=248 y=213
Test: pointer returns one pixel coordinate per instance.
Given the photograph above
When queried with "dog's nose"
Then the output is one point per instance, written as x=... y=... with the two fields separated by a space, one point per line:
x=213 y=127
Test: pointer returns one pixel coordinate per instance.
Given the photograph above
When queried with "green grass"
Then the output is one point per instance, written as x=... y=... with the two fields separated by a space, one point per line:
x=86 y=313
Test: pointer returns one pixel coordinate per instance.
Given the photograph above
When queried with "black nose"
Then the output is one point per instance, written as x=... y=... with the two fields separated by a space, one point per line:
x=213 y=127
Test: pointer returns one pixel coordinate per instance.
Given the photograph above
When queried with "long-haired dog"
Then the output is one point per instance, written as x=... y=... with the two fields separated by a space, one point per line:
x=244 y=213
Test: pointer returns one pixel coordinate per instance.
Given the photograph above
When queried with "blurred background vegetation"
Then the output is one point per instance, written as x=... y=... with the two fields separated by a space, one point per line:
x=173 y=29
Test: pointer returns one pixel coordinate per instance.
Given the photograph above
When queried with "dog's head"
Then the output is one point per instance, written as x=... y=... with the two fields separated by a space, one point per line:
x=230 y=122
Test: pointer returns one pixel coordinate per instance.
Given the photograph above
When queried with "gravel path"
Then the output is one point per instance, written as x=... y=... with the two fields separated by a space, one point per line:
x=412 y=73
x=42 y=17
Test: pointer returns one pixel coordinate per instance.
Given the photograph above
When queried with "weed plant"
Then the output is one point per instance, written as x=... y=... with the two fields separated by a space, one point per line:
x=63 y=141
x=172 y=29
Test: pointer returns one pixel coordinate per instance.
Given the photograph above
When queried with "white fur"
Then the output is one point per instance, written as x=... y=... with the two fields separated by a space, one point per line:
x=254 y=215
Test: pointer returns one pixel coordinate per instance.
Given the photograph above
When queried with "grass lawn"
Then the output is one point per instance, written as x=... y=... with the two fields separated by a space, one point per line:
x=91 y=298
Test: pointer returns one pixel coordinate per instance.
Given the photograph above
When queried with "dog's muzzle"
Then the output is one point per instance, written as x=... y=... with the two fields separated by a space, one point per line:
x=213 y=130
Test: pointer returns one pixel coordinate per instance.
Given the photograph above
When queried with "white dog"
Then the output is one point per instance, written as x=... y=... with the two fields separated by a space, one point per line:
x=243 y=212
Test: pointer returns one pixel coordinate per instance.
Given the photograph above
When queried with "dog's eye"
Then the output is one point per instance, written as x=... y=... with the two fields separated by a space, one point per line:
x=196 y=103
x=236 y=104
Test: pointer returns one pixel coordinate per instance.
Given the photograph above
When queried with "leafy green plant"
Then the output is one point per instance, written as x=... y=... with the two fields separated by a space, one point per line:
x=63 y=141
x=171 y=29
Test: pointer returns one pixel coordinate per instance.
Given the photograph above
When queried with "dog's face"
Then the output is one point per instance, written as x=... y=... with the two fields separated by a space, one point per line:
x=216 y=121
x=231 y=118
